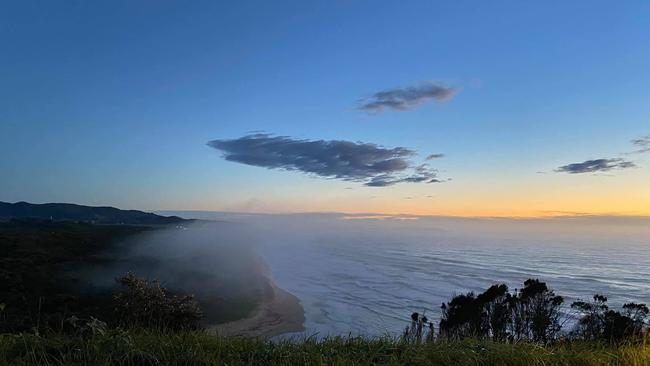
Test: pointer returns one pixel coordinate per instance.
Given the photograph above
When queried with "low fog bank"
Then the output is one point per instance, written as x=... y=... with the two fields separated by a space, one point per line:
x=212 y=260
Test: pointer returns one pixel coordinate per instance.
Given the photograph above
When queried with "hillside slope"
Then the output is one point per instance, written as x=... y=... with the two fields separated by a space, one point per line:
x=73 y=212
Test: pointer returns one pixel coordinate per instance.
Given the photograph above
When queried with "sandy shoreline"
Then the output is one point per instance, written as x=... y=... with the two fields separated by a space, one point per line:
x=279 y=312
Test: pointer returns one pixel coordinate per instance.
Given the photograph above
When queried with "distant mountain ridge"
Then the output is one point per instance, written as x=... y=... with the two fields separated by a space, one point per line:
x=73 y=212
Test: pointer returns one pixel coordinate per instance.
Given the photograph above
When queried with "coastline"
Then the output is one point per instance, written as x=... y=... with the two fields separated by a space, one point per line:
x=278 y=313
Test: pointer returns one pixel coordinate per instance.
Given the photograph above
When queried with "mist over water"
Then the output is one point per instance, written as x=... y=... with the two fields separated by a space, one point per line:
x=365 y=276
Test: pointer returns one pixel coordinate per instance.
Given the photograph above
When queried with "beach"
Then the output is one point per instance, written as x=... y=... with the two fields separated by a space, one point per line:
x=278 y=313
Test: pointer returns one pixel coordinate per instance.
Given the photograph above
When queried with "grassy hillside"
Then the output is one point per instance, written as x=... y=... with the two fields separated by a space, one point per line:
x=197 y=348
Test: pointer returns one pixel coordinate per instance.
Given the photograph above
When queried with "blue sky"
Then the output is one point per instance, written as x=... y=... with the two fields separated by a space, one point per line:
x=113 y=102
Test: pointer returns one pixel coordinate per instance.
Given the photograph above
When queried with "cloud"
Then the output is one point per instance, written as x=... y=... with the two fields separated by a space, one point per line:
x=377 y=217
x=370 y=164
x=435 y=156
x=597 y=165
x=604 y=165
x=643 y=143
x=420 y=174
x=403 y=99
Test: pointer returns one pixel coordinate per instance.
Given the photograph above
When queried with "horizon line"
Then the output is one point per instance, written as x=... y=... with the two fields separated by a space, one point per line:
x=380 y=215
x=543 y=215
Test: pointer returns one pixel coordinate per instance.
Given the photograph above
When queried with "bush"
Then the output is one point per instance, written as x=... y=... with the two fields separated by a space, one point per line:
x=485 y=315
x=599 y=322
x=530 y=314
x=147 y=304
x=536 y=312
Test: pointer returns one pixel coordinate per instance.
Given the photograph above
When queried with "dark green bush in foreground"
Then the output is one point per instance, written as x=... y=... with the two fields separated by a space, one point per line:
x=534 y=314
x=198 y=348
x=143 y=303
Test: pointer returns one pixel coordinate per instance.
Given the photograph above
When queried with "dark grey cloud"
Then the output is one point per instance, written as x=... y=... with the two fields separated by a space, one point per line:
x=371 y=164
x=422 y=173
x=596 y=165
x=642 y=143
x=435 y=156
x=402 y=99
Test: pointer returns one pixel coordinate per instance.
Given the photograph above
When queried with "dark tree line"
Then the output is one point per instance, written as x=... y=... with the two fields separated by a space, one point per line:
x=599 y=322
x=534 y=313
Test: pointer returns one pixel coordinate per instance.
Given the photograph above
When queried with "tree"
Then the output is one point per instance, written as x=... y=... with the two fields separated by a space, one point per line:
x=536 y=312
x=591 y=325
x=495 y=302
x=598 y=322
x=477 y=316
x=462 y=317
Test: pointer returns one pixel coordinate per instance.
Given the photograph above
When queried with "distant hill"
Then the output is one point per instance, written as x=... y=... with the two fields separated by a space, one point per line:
x=72 y=212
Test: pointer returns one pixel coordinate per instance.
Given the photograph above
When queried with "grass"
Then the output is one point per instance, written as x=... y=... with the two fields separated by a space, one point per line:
x=140 y=347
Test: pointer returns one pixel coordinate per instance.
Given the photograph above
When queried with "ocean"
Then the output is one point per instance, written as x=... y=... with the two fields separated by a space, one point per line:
x=366 y=275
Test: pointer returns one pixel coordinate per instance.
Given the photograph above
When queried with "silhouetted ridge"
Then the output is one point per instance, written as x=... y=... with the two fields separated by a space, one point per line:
x=72 y=212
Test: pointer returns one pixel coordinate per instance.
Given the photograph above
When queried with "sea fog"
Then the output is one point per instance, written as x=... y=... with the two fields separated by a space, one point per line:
x=212 y=260
x=365 y=274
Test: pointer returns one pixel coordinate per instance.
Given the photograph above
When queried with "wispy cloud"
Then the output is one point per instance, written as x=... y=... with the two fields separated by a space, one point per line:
x=370 y=164
x=435 y=156
x=378 y=217
x=403 y=99
x=595 y=166
x=603 y=165
x=642 y=143
x=420 y=174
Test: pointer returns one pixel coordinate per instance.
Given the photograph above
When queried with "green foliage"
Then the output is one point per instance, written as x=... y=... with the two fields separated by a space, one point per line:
x=35 y=261
x=530 y=314
x=599 y=322
x=536 y=312
x=146 y=347
x=147 y=304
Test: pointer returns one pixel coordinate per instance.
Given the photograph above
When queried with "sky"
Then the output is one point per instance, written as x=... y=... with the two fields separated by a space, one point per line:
x=503 y=108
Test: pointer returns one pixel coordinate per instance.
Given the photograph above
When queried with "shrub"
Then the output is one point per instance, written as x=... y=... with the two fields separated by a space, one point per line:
x=536 y=312
x=462 y=317
x=147 y=304
x=599 y=322
x=530 y=314
x=417 y=331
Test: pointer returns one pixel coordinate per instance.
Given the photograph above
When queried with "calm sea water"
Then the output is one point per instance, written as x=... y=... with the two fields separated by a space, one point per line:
x=365 y=283
x=367 y=276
